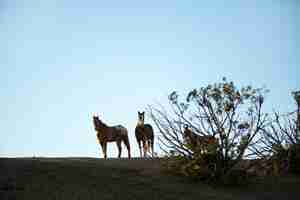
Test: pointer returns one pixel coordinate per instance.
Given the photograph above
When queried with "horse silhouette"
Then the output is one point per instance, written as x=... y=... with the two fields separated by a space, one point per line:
x=144 y=135
x=107 y=134
x=198 y=142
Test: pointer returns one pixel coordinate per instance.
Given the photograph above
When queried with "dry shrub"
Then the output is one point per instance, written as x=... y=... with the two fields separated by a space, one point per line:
x=231 y=115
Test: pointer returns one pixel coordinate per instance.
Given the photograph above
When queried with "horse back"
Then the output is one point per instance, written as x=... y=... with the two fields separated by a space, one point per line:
x=113 y=133
x=120 y=130
x=203 y=141
x=149 y=129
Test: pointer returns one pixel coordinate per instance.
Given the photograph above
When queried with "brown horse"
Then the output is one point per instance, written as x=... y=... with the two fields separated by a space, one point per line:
x=195 y=141
x=107 y=134
x=144 y=134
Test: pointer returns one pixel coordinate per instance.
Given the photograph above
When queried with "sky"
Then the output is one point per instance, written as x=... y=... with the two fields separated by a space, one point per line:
x=61 y=61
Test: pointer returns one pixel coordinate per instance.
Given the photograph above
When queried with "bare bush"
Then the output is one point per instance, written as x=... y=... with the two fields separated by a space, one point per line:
x=231 y=115
x=280 y=143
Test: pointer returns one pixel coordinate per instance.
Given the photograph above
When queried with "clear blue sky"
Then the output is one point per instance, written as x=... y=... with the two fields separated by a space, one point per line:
x=60 y=61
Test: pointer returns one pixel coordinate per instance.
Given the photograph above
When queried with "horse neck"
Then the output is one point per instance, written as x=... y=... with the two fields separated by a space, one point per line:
x=188 y=133
x=102 y=127
x=193 y=137
x=140 y=123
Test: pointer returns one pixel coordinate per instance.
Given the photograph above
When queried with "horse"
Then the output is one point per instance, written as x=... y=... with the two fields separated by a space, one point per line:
x=107 y=134
x=144 y=134
x=198 y=142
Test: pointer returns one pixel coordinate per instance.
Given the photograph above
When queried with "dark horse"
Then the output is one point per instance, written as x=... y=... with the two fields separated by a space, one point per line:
x=144 y=134
x=200 y=142
x=107 y=134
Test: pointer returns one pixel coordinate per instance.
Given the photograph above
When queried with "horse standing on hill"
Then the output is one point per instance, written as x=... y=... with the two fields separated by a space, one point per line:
x=203 y=143
x=107 y=134
x=144 y=134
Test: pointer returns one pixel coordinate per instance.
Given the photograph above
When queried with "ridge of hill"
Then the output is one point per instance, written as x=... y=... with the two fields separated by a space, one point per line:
x=94 y=178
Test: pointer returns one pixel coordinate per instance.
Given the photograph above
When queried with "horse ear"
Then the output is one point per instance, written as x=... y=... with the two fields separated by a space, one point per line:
x=185 y=126
x=143 y=112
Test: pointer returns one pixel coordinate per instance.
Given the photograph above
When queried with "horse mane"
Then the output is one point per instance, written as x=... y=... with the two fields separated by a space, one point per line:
x=97 y=122
x=103 y=124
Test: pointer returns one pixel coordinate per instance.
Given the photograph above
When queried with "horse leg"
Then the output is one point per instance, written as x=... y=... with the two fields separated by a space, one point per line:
x=119 y=148
x=148 y=146
x=126 y=142
x=103 y=144
x=152 y=147
x=140 y=148
x=145 y=147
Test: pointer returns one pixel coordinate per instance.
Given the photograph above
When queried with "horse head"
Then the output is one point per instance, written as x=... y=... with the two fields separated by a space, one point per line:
x=95 y=121
x=98 y=123
x=187 y=131
x=141 y=118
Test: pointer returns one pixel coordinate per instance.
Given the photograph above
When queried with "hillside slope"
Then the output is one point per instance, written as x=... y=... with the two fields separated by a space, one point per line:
x=93 y=178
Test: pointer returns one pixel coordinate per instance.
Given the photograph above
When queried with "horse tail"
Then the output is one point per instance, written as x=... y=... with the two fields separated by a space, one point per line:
x=126 y=140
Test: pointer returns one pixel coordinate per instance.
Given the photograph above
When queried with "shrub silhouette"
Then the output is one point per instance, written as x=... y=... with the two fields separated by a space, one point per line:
x=232 y=116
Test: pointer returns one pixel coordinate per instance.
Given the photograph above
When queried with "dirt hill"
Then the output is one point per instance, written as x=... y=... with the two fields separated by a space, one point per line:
x=93 y=178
